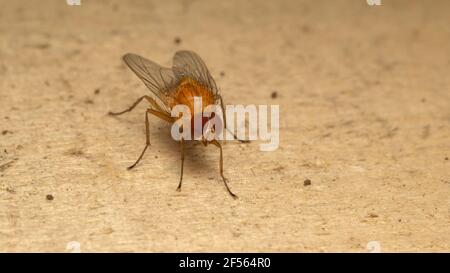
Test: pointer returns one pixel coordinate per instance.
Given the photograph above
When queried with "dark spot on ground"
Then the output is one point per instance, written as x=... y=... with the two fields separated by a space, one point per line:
x=6 y=165
x=49 y=197
x=306 y=29
x=426 y=132
x=75 y=152
x=4 y=132
x=19 y=147
x=97 y=91
x=391 y=133
x=10 y=190
x=222 y=74
x=446 y=158
x=274 y=95
x=88 y=101
x=177 y=40
x=41 y=45
x=277 y=169
x=307 y=182
x=372 y=215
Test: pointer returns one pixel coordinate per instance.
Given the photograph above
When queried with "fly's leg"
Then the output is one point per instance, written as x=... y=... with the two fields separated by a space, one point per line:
x=128 y=109
x=147 y=143
x=225 y=122
x=158 y=114
x=216 y=143
x=182 y=163
x=148 y=98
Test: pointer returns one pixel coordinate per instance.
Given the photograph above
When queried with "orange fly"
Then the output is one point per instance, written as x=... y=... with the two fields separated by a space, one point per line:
x=188 y=78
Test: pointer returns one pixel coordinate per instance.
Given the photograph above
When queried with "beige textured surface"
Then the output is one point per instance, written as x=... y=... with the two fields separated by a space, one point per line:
x=365 y=114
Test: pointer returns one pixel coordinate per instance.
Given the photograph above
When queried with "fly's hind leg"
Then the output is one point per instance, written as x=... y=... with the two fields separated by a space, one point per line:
x=216 y=143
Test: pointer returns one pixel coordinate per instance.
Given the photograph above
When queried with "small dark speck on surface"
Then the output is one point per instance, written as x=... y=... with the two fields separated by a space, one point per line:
x=4 y=132
x=89 y=101
x=274 y=95
x=372 y=215
x=307 y=182
x=446 y=158
x=278 y=169
x=41 y=45
x=97 y=91
x=426 y=132
x=49 y=197
x=75 y=152
x=177 y=40
x=306 y=29
x=156 y=156
x=6 y=165
x=222 y=74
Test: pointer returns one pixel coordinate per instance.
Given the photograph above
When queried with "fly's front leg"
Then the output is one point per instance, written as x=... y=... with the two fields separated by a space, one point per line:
x=128 y=109
x=148 y=98
x=216 y=143
x=147 y=142
x=182 y=163
x=161 y=115
x=225 y=121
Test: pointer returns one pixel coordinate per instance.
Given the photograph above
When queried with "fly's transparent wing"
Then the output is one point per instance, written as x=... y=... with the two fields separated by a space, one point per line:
x=157 y=78
x=189 y=64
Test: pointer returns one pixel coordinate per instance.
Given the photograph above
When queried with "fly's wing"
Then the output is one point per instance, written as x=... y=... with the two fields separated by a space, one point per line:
x=189 y=64
x=157 y=78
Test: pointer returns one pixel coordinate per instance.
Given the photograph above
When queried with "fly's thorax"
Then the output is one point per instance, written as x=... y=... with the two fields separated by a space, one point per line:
x=186 y=91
